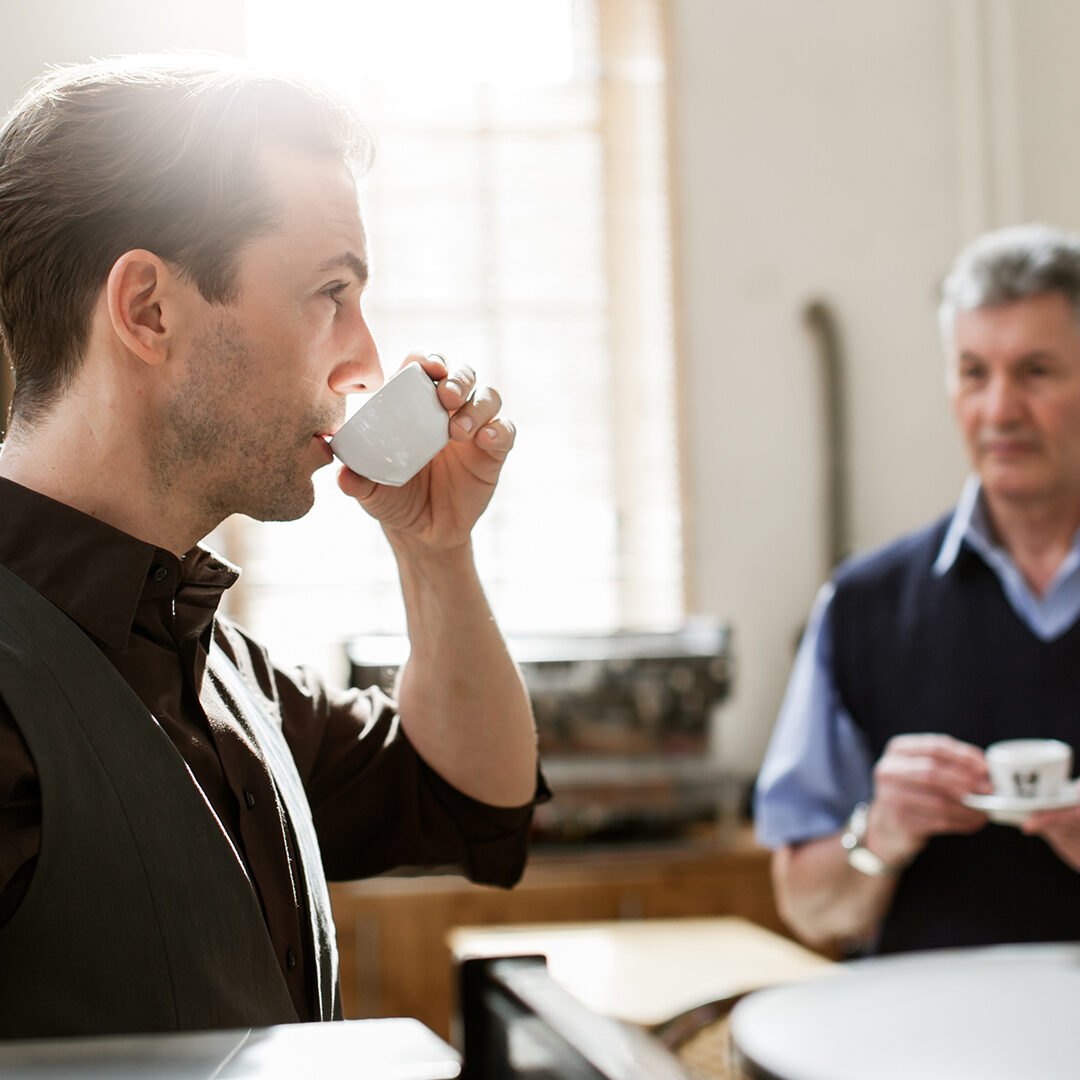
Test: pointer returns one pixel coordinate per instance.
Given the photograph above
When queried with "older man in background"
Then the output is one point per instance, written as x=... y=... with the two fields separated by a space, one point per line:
x=919 y=655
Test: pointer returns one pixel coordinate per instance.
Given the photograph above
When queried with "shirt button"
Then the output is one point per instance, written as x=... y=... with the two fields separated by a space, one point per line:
x=159 y=573
x=249 y=798
x=290 y=959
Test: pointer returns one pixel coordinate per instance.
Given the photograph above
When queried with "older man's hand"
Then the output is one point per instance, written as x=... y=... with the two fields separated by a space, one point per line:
x=1060 y=829
x=919 y=783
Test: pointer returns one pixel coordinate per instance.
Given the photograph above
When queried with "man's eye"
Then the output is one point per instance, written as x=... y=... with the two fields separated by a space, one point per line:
x=334 y=292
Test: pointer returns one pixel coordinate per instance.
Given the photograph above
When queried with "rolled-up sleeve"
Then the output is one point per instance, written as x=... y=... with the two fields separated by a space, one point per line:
x=817 y=766
x=377 y=805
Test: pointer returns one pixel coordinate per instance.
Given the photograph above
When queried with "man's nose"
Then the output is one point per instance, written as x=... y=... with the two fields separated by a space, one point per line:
x=1004 y=400
x=360 y=372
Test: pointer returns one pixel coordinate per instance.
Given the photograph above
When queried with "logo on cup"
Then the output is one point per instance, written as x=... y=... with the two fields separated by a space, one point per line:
x=1029 y=768
x=1026 y=784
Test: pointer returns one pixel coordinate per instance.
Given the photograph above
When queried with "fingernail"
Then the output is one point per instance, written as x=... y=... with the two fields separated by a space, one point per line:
x=465 y=423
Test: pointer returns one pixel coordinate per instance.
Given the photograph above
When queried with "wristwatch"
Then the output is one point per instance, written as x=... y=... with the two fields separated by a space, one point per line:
x=862 y=858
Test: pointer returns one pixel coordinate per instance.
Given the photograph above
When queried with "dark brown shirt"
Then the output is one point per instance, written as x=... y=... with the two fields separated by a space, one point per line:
x=375 y=804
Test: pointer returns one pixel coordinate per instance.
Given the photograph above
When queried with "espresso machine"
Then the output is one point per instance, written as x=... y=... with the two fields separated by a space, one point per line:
x=626 y=730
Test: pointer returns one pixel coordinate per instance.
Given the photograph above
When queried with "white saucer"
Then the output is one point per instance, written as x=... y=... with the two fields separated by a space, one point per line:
x=1011 y=810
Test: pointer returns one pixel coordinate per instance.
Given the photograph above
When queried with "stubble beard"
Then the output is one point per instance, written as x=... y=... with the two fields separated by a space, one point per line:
x=217 y=446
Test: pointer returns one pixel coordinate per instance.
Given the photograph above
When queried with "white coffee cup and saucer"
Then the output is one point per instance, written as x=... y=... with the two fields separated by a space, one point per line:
x=397 y=431
x=1028 y=775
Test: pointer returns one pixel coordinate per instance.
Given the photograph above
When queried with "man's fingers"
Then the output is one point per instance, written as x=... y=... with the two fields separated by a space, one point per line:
x=929 y=775
x=1065 y=820
x=934 y=763
x=479 y=409
x=457 y=387
x=359 y=487
x=938 y=746
x=920 y=782
x=497 y=438
x=927 y=813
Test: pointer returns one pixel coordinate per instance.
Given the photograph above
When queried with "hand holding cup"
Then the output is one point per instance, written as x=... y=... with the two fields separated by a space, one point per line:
x=432 y=500
x=397 y=431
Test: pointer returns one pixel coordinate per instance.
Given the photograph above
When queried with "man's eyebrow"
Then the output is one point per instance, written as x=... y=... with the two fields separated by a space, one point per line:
x=349 y=260
x=1027 y=357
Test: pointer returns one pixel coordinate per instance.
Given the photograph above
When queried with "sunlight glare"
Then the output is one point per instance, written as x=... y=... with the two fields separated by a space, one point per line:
x=502 y=42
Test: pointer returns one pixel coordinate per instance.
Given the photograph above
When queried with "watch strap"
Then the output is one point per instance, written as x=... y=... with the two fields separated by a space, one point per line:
x=859 y=856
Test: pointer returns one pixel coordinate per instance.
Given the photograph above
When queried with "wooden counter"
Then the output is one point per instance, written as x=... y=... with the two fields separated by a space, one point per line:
x=393 y=932
x=650 y=971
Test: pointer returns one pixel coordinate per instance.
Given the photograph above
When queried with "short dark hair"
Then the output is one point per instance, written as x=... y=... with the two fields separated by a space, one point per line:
x=157 y=152
x=1012 y=264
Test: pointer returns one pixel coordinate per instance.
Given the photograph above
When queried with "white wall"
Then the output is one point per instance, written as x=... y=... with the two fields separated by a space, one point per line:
x=1047 y=87
x=63 y=31
x=841 y=149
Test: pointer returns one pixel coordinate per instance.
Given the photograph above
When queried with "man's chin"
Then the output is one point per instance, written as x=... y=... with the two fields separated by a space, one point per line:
x=1015 y=487
x=283 y=504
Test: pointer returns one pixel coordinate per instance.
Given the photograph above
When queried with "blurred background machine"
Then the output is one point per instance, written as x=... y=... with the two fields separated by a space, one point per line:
x=627 y=725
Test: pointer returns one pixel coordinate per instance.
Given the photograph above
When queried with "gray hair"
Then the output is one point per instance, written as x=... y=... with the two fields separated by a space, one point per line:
x=1012 y=264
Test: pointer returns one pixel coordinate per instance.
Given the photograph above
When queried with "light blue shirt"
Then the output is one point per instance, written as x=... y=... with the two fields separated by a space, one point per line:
x=818 y=764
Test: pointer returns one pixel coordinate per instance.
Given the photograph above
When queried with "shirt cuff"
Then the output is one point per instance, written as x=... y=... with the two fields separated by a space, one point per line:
x=497 y=837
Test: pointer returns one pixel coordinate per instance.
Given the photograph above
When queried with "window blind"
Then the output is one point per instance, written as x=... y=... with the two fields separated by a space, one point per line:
x=518 y=219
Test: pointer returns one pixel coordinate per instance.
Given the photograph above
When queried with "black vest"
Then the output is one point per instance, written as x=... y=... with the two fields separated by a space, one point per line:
x=917 y=652
x=140 y=915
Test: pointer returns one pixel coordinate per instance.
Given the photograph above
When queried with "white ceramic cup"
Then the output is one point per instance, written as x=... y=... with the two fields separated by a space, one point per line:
x=397 y=431
x=1029 y=768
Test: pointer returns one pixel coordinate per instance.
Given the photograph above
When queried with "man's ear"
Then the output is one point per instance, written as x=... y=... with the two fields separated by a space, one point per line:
x=138 y=294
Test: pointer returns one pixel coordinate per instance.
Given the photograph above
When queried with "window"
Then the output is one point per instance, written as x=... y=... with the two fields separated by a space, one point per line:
x=518 y=219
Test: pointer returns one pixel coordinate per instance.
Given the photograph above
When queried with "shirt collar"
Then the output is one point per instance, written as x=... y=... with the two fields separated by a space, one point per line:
x=969 y=522
x=970 y=525
x=93 y=572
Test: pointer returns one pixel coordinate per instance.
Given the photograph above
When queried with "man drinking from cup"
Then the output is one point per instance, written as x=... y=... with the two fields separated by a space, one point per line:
x=918 y=656
x=182 y=268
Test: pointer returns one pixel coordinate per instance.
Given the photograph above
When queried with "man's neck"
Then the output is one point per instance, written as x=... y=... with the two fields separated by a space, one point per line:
x=1038 y=534
x=60 y=457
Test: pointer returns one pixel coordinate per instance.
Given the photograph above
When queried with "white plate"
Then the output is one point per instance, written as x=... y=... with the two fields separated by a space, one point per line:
x=1010 y=810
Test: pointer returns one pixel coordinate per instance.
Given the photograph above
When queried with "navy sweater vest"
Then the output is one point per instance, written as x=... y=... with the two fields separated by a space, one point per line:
x=916 y=652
